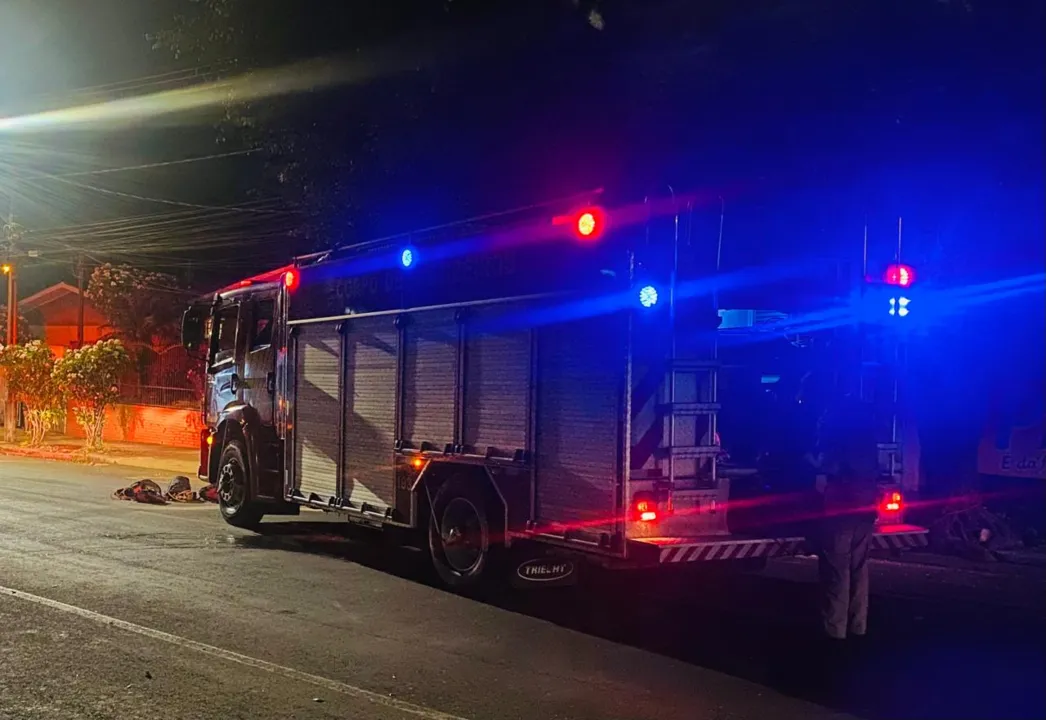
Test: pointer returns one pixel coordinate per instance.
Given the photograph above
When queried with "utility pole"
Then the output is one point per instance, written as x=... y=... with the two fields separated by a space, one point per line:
x=11 y=334
x=80 y=310
x=10 y=269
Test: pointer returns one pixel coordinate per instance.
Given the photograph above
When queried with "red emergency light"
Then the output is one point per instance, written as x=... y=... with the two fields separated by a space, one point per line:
x=900 y=275
x=587 y=224
x=290 y=279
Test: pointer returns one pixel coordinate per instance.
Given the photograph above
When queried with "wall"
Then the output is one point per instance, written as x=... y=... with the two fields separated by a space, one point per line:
x=62 y=337
x=144 y=424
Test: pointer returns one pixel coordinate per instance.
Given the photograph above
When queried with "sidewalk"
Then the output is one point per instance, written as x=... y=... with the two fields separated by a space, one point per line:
x=166 y=461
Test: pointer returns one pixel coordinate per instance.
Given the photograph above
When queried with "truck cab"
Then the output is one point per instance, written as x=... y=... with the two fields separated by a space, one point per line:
x=238 y=332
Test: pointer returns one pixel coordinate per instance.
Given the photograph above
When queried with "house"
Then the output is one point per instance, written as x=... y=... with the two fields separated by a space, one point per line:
x=53 y=316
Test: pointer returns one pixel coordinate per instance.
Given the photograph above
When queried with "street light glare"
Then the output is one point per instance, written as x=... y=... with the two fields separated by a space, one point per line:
x=288 y=80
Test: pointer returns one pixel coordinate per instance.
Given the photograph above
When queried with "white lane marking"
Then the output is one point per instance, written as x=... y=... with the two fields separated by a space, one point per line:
x=326 y=683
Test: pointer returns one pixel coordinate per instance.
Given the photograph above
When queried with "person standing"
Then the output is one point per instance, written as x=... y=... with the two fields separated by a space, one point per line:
x=850 y=463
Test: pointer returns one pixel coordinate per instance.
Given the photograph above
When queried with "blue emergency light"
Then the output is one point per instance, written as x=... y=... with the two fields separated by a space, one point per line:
x=408 y=256
x=648 y=296
x=899 y=306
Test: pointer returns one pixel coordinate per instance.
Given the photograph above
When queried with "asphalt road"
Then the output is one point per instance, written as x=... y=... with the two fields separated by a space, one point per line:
x=117 y=610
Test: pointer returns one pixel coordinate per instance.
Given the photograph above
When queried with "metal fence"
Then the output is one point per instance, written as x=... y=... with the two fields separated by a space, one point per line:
x=163 y=377
x=159 y=396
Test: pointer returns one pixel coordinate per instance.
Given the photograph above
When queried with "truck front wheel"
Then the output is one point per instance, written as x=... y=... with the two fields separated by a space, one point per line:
x=234 y=488
x=460 y=540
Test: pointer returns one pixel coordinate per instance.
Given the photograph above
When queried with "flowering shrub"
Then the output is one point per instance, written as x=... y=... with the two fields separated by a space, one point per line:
x=89 y=378
x=29 y=371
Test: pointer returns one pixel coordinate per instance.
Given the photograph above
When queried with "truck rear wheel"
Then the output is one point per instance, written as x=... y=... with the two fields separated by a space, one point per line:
x=234 y=488
x=460 y=539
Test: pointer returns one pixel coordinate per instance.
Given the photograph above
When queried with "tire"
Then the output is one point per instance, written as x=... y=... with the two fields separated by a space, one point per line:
x=461 y=544
x=234 y=488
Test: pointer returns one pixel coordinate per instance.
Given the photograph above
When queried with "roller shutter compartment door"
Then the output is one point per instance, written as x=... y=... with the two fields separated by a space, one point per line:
x=497 y=386
x=371 y=363
x=581 y=373
x=317 y=410
x=430 y=371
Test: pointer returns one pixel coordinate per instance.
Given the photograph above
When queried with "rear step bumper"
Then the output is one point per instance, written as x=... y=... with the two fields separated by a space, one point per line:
x=900 y=537
x=670 y=550
x=680 y=550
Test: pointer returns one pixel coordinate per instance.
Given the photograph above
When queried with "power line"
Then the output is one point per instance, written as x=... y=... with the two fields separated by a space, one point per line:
x=186 y=223
x=173 y=214
x=102 y=225
x=146 y=198
x=146 y=166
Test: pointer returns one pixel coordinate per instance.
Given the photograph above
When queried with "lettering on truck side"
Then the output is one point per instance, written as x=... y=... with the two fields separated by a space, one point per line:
x=544 y=571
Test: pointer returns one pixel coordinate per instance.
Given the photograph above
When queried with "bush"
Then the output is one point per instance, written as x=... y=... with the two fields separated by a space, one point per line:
x=90 y=379
x=29 y=370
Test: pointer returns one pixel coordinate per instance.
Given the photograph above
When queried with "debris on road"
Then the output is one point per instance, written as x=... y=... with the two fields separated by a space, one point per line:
x=973 y=532
x=178 y=491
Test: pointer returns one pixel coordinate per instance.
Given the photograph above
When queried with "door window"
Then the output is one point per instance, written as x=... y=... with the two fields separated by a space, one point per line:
x=262 y=336
x=225 y=348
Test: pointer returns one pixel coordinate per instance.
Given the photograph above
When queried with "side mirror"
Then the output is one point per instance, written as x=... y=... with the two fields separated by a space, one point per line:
x=192 y=329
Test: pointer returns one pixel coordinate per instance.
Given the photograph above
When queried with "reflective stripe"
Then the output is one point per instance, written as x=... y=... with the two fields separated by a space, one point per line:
x=647 y=423
x=900 y=541
x=730 y=550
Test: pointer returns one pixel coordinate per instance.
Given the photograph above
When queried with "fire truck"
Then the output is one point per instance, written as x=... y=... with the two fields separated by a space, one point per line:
x=553 y=388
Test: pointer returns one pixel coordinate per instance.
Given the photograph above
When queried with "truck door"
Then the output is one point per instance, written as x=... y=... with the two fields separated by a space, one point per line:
x=259 y=377
x=226 y=361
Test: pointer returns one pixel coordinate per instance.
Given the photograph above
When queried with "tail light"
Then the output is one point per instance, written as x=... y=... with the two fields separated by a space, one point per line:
x=644 y=508
x=892 y=503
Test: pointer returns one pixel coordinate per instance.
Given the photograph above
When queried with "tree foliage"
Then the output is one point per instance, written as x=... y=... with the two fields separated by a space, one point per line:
x=89 y=379
x=24 y=335
x=29 y=372
x=140 y=306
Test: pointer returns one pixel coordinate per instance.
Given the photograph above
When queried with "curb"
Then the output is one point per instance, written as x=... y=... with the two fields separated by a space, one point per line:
x=77 y=458
x=93 y=460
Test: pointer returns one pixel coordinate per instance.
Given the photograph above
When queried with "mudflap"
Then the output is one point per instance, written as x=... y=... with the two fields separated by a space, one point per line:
x=532 y=568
